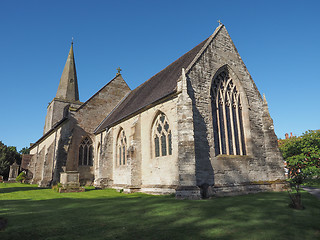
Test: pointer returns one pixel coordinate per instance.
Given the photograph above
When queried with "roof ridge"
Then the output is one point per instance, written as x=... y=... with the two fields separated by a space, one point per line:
x=100 y=91
x=164 y=68
x=155 y=88
x=204 y=48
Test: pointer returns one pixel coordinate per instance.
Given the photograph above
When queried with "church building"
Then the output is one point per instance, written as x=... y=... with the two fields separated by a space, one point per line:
x=198 y=128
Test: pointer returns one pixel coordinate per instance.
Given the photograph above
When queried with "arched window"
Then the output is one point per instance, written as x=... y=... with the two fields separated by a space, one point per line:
x=227 y=116
x=86 y=152
x=121 y=148
x=162 y=138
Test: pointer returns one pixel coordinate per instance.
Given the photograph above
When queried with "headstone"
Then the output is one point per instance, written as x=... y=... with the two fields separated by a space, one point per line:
x=14 y=170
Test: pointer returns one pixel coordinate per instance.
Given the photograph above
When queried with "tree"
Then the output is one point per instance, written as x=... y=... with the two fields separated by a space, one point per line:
x=8 y=155
x=302 y=156
x=24 y=150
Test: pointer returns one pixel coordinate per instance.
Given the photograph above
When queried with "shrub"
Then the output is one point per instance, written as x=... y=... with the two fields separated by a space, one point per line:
x=57 y=187
x=21 y=177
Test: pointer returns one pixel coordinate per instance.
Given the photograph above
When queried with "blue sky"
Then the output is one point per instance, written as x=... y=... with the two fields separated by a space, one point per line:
x=277 y=40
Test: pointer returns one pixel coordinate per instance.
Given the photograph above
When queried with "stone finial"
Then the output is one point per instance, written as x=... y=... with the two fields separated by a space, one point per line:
x=265 y=104
x=184 y=82
x=119 y=70
x=264 y=99
x=220 y=23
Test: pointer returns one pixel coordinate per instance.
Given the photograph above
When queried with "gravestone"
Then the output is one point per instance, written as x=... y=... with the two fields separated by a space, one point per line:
x=14 y=170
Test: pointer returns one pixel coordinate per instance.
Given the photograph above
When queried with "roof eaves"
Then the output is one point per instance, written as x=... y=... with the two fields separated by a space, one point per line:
x=54 y=127
x=145 y=107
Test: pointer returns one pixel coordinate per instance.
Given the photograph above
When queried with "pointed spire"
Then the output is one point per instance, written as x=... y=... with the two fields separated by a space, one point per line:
x=68 y=86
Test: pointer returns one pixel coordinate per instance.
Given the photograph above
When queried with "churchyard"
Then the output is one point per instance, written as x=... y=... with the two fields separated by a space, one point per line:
x=30 y=212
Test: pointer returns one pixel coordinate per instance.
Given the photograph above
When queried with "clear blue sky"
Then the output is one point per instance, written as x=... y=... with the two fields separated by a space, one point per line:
x=279 y=41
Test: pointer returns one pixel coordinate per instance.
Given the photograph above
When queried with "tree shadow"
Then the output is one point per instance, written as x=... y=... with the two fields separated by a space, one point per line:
x=138 y=216
x=18 y=189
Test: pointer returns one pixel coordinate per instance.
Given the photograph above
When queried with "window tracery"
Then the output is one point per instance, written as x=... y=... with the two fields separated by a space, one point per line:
x=227 y=116
x=162 y=136
x=122 y=148
x=86 y=152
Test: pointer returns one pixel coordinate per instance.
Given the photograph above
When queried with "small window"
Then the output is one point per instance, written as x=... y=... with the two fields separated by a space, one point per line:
x=122 y=147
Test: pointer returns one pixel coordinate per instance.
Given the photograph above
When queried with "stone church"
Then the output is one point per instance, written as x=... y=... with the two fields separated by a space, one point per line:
x=197 y=128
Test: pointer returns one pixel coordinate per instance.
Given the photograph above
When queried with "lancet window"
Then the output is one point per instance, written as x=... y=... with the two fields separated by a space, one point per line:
x=227 y=116
x=162 y=137
x=121 y=148
x=86 y=152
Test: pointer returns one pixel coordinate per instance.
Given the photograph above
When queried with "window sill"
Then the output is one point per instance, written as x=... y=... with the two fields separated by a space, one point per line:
x=233 y=157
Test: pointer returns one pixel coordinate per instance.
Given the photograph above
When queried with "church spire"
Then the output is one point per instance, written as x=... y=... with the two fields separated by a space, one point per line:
x=68 y=86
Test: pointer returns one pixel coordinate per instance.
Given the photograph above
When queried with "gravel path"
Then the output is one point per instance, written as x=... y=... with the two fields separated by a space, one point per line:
x=313 y=191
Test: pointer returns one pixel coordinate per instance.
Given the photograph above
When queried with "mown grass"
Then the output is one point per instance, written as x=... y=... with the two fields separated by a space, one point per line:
x=35 y=213
x=313 y=183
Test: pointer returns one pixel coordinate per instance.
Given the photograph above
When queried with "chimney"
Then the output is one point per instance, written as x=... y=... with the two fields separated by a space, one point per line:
x=286 y=136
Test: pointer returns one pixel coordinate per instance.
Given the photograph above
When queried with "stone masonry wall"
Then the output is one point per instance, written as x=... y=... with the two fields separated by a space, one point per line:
x=227 y=170
x=88 y=117
x=143 y=171
x=91 y=113
x=104 y=172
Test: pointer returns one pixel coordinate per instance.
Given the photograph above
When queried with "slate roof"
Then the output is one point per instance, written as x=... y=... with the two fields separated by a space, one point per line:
x=157 y=87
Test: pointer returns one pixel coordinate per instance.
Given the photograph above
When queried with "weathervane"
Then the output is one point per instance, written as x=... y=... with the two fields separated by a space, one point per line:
x=72 y=40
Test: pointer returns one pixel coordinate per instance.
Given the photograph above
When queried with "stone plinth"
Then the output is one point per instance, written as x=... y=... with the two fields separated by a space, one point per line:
x=70 y=179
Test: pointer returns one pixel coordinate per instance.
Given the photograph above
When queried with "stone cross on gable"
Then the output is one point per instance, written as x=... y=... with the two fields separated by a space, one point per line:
x=220 y=23
x=119 y=70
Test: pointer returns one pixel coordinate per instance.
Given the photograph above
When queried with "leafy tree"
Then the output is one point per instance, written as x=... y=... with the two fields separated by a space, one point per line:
x=24 y=150
x=8 y=155
x=302 y=155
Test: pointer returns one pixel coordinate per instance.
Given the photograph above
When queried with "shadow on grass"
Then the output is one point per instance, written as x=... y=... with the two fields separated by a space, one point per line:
x=17 y=187
x=139 y=216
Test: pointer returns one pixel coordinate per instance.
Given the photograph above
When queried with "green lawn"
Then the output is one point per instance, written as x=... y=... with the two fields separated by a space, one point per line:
x=35 y=213
x=313 y=183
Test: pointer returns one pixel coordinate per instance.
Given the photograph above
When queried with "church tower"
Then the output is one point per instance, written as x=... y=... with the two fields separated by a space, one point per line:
x=67 y=95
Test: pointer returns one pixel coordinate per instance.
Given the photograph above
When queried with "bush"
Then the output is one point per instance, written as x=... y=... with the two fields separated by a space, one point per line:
x=57 y=187
x=21 y=177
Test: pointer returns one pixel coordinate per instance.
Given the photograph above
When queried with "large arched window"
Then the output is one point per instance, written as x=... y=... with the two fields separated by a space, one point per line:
x=86 y=152
x=162 y=137
x=227 y=116
x=121 y=148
